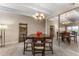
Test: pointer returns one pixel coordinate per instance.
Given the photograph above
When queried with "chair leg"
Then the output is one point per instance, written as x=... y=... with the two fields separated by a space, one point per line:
x=51 y=47
x=33 y=52
x=24 y=49
x=52 y=50
x=24 y=52
x=69 y=40
x=75 y=39
x=43 y=53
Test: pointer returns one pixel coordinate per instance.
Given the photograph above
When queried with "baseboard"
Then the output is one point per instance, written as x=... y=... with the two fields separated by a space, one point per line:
x=8 y=43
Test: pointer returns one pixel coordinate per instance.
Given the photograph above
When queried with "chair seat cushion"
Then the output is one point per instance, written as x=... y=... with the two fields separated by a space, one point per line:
x=41 y=47
x=28 y=41
x=48 y=40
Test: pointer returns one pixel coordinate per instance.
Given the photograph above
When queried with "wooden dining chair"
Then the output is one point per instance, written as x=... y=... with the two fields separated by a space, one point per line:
x=66 y=36
x=38 y=46
x=59 y=36
x=27 y=41
x=50 y=44
x=74 y=36
x=75 y=39
x=49 y=41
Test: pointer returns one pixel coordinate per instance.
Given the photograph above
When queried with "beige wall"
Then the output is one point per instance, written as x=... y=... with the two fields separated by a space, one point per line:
x=55 y=24
x=12 y=20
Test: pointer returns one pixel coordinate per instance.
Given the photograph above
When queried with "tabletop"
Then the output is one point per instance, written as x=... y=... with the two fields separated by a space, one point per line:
x=41 y=36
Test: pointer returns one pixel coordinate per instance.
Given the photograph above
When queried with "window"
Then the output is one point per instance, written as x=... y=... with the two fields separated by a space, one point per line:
x=75 y=28
x=72 y=28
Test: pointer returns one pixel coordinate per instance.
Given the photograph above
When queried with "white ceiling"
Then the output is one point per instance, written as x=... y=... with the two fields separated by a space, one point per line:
x=29 y=9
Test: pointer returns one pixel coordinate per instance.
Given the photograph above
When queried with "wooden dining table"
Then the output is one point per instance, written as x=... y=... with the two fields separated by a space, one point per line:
x=42 y=36
x=68 y=36
x=34 y=36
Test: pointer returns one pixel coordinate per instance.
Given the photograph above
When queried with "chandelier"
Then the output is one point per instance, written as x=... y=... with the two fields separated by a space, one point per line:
x=39 y=16
x=66 y=22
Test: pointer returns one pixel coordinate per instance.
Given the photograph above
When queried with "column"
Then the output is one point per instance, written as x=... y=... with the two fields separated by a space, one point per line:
x=58 y=30
x=46 y=26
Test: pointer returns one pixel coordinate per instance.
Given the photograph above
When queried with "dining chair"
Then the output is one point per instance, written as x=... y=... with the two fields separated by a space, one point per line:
x=66 y=35
x=50 y=40
x=59 y=36
x=38 y=46
x=27 y=43
x=74 y=36
x=50 y=44
x=75 y=39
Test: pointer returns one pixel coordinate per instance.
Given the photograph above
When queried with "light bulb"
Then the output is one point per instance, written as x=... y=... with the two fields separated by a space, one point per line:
x=36 y=14
x=40 y=18
x=35 y=17
x=42 y=15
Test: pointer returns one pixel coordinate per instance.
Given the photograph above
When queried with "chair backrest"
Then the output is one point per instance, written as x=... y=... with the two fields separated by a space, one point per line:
x=74 y=33
x=25 y=37
x=65 y=34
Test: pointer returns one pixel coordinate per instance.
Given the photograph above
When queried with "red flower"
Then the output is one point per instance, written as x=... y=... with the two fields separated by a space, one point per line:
x=38 y=33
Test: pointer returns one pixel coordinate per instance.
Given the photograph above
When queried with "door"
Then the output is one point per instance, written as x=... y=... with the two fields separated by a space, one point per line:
x=52 y=31
x=22 y=30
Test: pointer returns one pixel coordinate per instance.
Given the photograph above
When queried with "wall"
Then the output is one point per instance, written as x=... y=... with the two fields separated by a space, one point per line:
x=55 y=24
x=12 y=20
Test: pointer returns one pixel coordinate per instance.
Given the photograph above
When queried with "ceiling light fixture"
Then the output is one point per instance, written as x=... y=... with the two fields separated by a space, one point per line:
x=66 y=23
x=39 y=16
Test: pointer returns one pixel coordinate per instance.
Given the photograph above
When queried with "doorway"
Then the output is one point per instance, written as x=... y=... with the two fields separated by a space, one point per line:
x=22 y=30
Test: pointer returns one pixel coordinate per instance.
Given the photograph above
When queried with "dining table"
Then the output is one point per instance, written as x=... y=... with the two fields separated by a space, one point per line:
x=68 y=36
x=42 y=36
x=34 y=36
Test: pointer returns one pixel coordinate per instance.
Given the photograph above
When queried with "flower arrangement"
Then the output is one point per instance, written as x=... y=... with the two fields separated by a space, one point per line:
x=38 y=34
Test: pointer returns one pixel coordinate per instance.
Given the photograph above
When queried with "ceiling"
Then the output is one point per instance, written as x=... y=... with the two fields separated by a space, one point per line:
x=28 y=9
